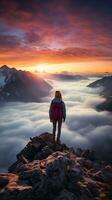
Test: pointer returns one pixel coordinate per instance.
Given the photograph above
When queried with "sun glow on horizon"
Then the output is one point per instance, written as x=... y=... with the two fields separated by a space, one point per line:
x=95 y=67
x=79 y=67
x=40 y=68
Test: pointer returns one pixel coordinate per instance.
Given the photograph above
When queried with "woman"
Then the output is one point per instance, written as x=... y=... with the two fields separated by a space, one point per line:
x=57 y=114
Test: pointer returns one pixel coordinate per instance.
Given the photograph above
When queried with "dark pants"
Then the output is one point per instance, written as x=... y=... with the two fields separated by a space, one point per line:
x=59 y=130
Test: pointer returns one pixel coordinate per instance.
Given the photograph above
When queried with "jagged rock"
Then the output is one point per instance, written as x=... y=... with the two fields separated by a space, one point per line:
x=88 y=164
x=88 y=154
x=46 y=151
x=13 y=190
x=92 y=186
x=65 y=195
x=56 y=172
x=79 y=152
x=104 y=175
x=3 y=181
x=47 y=137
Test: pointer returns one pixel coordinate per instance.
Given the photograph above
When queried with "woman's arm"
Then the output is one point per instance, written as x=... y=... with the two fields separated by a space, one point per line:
x=64 y=111
x=50 y=110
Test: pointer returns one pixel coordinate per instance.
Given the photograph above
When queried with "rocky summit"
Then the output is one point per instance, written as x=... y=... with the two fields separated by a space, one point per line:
x=47 y=171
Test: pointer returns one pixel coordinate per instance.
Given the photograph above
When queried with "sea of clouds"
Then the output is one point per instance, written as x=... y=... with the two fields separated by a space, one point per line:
x=84 y=126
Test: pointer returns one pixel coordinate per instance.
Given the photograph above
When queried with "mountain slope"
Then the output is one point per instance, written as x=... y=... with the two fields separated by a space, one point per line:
x=106 y=91
x=56 y=172
x=17 y=85
x=106 y=83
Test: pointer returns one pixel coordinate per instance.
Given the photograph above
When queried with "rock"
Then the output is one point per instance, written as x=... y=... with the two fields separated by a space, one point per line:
x=3 y=181
x=47 y=137
x=65 y=195
x=104 y=175
x=56 y=172
x=13 y=190
x=18 y=193
x=92 y=186
x=90 y=155
x=79 y=152
x=88 y=164
x=75 y=173
x=45 y=152
x=13 y=168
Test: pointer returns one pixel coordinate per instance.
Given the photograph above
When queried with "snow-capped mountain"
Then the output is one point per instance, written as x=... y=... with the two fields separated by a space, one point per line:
x=17 y=85
x=5 y=74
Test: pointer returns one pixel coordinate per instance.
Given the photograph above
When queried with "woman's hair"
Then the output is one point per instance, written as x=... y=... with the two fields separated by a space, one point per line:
x=58 y=94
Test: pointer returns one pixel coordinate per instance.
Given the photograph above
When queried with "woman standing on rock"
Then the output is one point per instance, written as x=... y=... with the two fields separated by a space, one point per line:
x=57 y=114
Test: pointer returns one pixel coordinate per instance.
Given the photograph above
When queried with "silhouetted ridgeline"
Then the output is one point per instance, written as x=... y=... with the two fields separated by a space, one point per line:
x=17 y=85
x=105 y=84
x=68 y=76
x=56 y=172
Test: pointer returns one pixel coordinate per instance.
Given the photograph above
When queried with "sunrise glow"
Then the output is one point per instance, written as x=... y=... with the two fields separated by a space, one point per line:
x=40 y=68
x=55 y=36
x=76 y=67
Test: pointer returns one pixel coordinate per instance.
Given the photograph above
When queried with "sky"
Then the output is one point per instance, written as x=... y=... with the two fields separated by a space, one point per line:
x=56 y=35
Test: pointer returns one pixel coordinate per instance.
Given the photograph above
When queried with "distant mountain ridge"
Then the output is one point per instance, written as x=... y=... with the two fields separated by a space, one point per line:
x=18 y=85
x=106 y=91
x=68 y=76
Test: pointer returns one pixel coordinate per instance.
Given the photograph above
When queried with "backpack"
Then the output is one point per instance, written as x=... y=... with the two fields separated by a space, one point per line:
x=56 y=111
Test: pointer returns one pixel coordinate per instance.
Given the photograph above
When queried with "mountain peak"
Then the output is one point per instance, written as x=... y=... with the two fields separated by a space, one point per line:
x=18 y=85
x=45 y=170
x=4 y=67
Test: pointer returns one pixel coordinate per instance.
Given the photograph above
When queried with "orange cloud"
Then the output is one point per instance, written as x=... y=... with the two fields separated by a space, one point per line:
x=55 y=31
x=68 y=55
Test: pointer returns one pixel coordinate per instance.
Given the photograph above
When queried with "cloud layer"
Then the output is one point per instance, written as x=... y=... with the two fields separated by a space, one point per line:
x=84 y=126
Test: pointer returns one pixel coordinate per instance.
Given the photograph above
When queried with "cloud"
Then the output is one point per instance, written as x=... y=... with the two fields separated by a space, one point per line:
x=84 y=127
x=29 y=56
x=7 y=41
x=20 y=121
